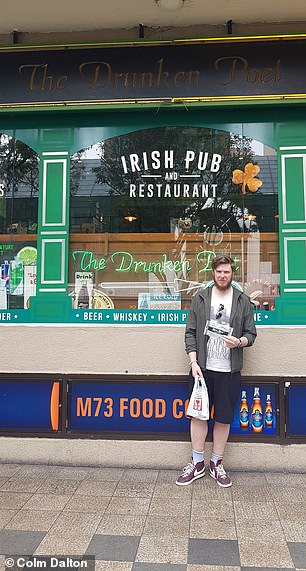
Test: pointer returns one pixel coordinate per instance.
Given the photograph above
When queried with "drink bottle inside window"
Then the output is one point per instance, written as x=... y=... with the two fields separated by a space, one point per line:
x=257 y=416
x=268 y=412
x=83 y=297
x=244 y=411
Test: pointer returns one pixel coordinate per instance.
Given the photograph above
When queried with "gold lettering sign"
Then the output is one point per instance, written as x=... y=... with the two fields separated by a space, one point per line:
x=236 y=67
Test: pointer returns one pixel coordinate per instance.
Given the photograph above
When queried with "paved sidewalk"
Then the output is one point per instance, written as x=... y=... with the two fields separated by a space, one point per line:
x=139 y=520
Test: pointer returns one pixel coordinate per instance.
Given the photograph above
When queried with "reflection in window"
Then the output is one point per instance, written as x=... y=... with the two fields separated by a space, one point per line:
x=18 y=222
x=151 y=209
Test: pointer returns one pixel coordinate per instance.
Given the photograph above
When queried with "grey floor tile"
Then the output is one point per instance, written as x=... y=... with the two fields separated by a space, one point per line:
x=163 y=550
x=291 y=512
x=3 y=480
x=87 y=504
x=113 y=565
x=32 y=520
x=121 y=525
x=158 y=567
x=35 y=471
x=22 y=485
x=91 y=487
x=171 y=490
x=289 y=495
x=260 y=530
x=128 y=506
x=298 y=554
x=134 y=489
x=294 y=531
x=170 y=507
x=263 y=511
x=6 y=516
x=214 y=568
x=213 y=509
x=105 y=474
x=212 y=528
x=213 y=552
x=249 y=479
x=24 y=542
x=286 y=480
x=168 y=475
x=9 y=470
x=63 y=487
x=264 y=553
x=207 y=489
x=12 y=500
x=164 y=526
x=82 y=523
x=138 y=475
x=53 y=502
x=70 y=473
x=68 y=542
x=266 y=569
x=113 y=547
x=251 y=494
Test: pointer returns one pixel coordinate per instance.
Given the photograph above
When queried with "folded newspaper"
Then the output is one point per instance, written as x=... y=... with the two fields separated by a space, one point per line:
x=217 y=330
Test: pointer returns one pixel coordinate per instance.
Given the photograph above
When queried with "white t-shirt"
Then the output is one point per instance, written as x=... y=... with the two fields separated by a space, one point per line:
x=218 y=355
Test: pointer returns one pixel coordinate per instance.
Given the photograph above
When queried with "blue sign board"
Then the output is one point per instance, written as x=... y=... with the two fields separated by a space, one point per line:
x=296 y=410
x=129 y=407
x=29 y=405
x=159 y=407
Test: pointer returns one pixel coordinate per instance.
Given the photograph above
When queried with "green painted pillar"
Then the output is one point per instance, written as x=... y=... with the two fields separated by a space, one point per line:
x=53 y=235
x=292 y=230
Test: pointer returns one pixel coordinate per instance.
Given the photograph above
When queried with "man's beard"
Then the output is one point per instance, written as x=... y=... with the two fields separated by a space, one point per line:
x=223 y=287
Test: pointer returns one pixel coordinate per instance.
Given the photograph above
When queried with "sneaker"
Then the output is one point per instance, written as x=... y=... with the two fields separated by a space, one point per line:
x=217 y=472
x=190 y=473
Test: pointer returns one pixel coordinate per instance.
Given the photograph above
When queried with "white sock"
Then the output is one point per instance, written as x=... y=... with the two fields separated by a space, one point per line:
x=215 y=458
x=197 y=456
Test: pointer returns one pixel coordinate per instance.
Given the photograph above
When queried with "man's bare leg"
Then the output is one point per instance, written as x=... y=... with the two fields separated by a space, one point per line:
x=198 y=433
x=216 y=471
x=220 y=437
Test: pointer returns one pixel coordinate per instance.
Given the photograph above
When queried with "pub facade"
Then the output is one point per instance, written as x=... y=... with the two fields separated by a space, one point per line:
x=125 y=169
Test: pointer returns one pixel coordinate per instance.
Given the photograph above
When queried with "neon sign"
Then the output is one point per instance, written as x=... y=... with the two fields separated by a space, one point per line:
x=123 y=262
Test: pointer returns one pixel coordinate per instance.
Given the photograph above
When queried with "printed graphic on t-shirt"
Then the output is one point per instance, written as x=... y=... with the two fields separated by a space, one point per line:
x=218 y=355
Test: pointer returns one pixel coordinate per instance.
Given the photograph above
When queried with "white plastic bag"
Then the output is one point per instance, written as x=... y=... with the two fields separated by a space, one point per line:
x=198 y=406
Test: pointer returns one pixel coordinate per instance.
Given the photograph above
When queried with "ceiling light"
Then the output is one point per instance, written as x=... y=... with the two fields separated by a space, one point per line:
x=170 y=4
x=130 y=216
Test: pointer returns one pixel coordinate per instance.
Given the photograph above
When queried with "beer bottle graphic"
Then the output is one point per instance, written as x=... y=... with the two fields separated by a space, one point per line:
x=257 y=416
x=268 y=412
x=244 y=411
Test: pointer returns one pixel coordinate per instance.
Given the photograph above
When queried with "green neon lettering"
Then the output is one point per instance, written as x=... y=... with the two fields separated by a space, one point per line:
x=205 y=258
x=126 y=257
x=125 y=262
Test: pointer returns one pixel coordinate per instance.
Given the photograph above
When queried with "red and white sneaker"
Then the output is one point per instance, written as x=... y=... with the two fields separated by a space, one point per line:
x=219 y=474
x=190 y=473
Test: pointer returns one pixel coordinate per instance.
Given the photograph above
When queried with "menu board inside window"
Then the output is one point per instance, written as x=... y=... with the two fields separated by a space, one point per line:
x=151 y=209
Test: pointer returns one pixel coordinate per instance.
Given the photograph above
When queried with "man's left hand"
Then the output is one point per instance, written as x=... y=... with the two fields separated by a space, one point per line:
x=231 y=342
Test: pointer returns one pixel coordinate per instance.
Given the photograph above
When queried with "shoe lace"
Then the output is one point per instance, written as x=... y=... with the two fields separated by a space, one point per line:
x=221 y=471
x=188 y=469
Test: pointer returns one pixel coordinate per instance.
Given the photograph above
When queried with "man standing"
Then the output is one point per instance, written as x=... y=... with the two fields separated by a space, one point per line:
x=220 y=324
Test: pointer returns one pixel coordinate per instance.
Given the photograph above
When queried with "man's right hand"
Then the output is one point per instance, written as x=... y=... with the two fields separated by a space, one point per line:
x=196 y=370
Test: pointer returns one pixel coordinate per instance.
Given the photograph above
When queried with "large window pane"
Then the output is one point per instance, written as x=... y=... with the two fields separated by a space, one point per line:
x=151 y=209
x=18 y=222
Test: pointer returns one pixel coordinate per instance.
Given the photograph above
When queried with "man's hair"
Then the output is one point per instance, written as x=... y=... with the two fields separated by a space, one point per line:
x=223 y=260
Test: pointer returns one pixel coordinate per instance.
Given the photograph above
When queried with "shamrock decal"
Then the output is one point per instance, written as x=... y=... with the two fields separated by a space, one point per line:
x=247 y=178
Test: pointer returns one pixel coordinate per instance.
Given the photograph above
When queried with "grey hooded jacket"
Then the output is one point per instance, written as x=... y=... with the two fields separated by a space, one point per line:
x=241 y=319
